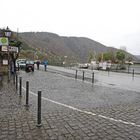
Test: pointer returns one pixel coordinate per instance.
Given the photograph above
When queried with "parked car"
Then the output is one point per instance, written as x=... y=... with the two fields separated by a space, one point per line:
x=20 y=64
x=29 y=66
x=83 y=66
x=104 y=66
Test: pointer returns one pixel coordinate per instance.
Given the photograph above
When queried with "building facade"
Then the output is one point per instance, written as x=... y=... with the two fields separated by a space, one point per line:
x=9 y=49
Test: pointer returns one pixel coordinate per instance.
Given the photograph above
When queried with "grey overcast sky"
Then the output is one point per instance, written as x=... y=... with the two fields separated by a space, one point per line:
x=111 y=22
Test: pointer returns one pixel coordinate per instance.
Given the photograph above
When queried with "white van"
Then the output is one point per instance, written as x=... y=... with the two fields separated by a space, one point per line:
x=20 y=63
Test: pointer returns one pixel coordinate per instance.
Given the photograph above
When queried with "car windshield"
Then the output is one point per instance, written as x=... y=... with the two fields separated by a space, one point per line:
x=29 y=62
x=20 y=62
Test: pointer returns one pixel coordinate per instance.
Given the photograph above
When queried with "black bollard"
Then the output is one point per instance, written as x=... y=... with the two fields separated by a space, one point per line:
x=9 y=73
x=108 y=71
x=39 y=110
x=27 y=94
x=83 y=76
x=93 y=77
x=76 y=74
x=20 y=86
x=45 y=67
x=16 y=82
x=133 y=73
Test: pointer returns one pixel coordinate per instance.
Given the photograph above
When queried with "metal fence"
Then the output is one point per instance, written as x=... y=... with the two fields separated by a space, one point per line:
x=127 y=69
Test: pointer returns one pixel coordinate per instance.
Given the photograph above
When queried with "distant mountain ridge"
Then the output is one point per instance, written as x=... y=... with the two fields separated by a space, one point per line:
x=76 y=47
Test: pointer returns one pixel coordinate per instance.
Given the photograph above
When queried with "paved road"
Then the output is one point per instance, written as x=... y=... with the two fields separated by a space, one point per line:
x=110 y=109
x=74 y=109
x=103 y=78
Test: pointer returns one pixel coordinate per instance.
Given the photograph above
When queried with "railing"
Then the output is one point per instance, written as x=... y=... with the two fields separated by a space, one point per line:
x=128 y=69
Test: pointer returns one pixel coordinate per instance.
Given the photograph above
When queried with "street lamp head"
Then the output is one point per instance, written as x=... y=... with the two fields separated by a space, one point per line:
x=7 y=32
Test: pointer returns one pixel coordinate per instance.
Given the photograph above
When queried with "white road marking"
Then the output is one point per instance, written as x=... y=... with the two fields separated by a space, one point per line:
x=86 y=112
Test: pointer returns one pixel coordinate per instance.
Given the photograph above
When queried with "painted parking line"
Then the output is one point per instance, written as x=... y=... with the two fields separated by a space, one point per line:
x=85 y=112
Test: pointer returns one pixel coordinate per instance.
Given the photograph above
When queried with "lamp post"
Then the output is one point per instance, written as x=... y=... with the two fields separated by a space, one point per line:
x=14 y=48
x=7 y=32
x=8 y=35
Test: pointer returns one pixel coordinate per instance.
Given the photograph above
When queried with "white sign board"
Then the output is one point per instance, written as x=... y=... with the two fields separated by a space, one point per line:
x=4 y=49
x=5 y=62
x=4 y=41
x=13 y=49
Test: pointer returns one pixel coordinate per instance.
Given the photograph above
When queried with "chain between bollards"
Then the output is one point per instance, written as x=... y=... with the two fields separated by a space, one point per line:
x=39 y=110
x=20 y=86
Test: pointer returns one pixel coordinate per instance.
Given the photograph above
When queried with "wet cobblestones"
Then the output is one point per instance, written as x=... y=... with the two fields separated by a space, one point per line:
x=63 y=123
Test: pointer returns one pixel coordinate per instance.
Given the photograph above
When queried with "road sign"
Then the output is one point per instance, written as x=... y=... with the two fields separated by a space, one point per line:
x=3 y=41
x=13 y=49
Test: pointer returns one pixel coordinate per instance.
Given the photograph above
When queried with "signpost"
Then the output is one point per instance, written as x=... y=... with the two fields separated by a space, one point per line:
x=13 y=49
x=4 y=49
x=4 y=41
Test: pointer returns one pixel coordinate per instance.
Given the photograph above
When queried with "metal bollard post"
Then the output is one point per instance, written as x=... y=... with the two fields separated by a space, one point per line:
x=93 y=77
x=76 y=74
x=45 y=66
x=16 y=82
x=133 y=73
x=27 y=94
x=108 y=71
x=20 y=86
x=83 y=76
x=9 y=73
x=39 y=110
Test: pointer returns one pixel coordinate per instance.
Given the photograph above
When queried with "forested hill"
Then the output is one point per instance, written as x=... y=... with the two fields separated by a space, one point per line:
x=72 y=47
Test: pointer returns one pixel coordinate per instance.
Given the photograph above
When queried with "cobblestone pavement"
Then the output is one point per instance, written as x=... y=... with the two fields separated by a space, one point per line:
x=71 y=110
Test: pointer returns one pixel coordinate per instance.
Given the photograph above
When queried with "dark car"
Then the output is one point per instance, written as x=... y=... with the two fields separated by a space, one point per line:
x=29 y=66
